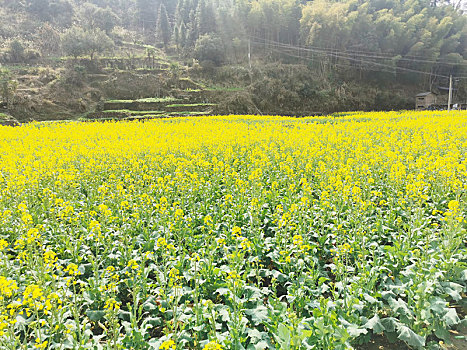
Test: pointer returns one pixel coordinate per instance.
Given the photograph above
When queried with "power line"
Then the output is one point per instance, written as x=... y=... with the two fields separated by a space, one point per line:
x=337 y=64
x=340 y=64
x=344 y=55
x=370 y=52
x=350 y=53
x=361 y=53
x=332 y=54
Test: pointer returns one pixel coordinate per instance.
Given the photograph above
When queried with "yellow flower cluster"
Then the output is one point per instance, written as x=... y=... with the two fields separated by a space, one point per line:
x=3 y=244
x=158 y=206
x=72 y=270
x=112 y=305
x=212 y=345
x=7 y=287
x=168 y=345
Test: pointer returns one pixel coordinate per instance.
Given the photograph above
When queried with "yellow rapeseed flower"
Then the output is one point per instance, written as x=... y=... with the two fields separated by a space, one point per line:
x=168 y=345
x=212 y=345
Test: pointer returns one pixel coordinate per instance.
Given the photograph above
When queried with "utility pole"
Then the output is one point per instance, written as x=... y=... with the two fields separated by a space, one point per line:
x=450 y=93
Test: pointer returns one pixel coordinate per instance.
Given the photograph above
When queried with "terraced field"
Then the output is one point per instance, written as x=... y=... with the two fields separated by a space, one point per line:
x=150 y=108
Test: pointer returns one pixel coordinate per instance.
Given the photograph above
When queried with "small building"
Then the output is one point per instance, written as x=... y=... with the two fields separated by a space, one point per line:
x=425 y=100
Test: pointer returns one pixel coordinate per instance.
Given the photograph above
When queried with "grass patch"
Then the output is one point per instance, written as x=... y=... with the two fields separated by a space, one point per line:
x=147 y=116
x=217 y=88
x=131 y=112
x=226 y=89
x=192 y=105
x=186 y=113
x=146 y=100
x=119 y=101
x=157 y=99
x=344 y=114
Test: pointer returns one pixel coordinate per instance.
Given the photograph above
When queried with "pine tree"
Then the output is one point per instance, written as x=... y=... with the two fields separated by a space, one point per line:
x=192 y=29
x=180 y=12
x=146 y=10
x=163 y=30
x=183 y=35
x=176 y=36
x=205 y=18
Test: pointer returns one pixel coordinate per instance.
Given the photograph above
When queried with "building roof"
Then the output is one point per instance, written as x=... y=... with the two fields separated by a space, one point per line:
x=423 y=94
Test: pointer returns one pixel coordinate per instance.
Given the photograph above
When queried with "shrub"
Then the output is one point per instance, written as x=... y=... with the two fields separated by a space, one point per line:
x=210 y=48
x=16 y=51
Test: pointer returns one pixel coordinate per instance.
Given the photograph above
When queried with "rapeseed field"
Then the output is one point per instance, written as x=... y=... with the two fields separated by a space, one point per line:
x=234 y=232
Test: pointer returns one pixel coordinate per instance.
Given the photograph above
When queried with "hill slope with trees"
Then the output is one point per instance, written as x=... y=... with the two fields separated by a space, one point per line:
x=391 y=49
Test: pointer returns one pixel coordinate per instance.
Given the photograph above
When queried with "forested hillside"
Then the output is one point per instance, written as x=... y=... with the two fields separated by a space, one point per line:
x=389 y=45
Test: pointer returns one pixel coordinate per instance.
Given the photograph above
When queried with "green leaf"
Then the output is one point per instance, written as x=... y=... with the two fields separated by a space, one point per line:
x=153 y=321
x=222 y=291
x=389 y=324
x=252 y=293
x=399 y=306
x=224 y=313
x=464 y=275
x=238 y=345
x=155 y=343
x=453 y=290
x=283 y=333
x=82 y=268
x=278 y=276
x=22 y=322
x=369 y=298
x=150 y=304
x=442 y=333
x=410 y=337
x=124 y=315
x=451 y=317
x=254 y=335
x=355 y=331
x=453 y=293
x=262 y=345
x=95 y=315
x=392 y=337
x=258 y=314
x=375 y=324
x=438 y=305
x=198 y=328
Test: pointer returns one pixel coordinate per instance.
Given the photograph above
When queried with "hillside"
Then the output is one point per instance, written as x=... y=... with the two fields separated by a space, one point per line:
x=63 y=59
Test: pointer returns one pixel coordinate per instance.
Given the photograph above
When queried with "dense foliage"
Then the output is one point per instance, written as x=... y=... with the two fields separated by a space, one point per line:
x=233 y=232
x=432 y=29
x=422 y=42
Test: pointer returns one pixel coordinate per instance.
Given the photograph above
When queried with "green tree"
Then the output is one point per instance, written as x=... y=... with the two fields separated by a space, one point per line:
x=8 y=87
x=39 y=8
x=398 y=30
x=146 y=12
x=106 y=19
x=210 y=48
x=205 y=18
x=182 y=35
x=277 y=20
x=61 y=12
x=77 y=42
x=16 y=51
x=182 y=12
x=73 y=42
x=163 y=29
x=193 y=30
x=49 y=40
x=93 y=16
